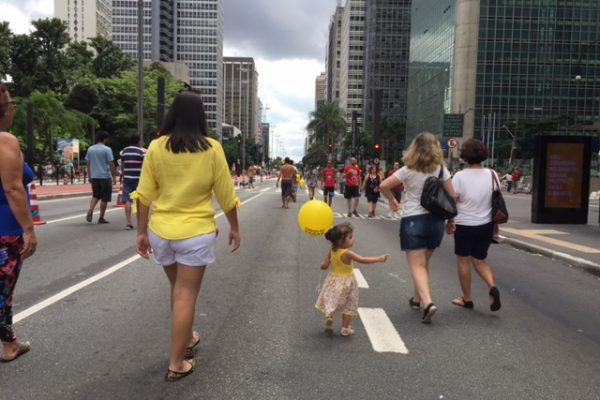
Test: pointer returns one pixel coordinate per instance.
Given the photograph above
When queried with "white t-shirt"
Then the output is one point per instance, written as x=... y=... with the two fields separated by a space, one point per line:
x=473 y=186
x=413 y=187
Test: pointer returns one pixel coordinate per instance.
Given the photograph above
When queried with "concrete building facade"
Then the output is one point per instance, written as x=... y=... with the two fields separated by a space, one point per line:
x=320 y=89
x=334 y=55
x=85 y=19
x=182 y=31
x=240 y=95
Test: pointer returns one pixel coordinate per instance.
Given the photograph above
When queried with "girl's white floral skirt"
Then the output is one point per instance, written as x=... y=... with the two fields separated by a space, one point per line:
x=339 y=295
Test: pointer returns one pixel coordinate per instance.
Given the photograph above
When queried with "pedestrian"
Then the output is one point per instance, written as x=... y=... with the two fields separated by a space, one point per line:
x=312 y=180
x=182 y=232
x=295 y=182
x=251 y=173
x=370 y=186
x=339 y=294
x=287 y=175
x=420 y=231
x=508 y=179
x=516 y=179
x=352 y=173
x=328 y=182
x=17 y=236
x=102 y=172
x=341 y=180
x=396 y=190
x=472 y=227
x=132 y=158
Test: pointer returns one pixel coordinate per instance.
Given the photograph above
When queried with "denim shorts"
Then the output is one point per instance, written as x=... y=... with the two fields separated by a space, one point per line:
x=421 y=232
x=128 y=188
x=328 y=191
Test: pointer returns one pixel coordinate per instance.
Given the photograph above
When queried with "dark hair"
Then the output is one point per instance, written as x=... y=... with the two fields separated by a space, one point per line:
x=338 y=234
x=185 y=124
x=101 y=136
x=473 y=151
x=134 y=140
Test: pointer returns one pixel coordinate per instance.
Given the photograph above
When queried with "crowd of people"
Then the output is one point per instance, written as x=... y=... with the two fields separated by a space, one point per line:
x=180 y=233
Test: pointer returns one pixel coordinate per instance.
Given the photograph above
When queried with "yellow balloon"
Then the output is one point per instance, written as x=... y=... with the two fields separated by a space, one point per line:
x=301 y=183
x=315 y=218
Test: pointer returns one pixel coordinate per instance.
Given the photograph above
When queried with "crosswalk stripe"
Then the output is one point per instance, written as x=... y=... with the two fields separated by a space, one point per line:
x=384 y=337
x=360 y=279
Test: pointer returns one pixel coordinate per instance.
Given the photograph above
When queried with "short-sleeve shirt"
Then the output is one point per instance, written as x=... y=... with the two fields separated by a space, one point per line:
x=99 y=155
x=473 y=186
x=329 y=177
x=132 y=158
x=413 y=188
x=352 y=173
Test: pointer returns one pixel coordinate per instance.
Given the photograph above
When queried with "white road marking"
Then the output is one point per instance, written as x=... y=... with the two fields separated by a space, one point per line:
x=78 y=216
x=360 y=279
x=265 y=189
x=384 y=337
x=77 y=287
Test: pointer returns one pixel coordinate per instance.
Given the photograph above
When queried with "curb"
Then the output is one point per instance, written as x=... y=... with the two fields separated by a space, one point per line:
x=66 y=195
x=555 y=255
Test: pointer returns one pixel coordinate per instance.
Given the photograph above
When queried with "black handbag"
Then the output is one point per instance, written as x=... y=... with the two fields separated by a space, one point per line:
x=499 y=210
x=436 y=200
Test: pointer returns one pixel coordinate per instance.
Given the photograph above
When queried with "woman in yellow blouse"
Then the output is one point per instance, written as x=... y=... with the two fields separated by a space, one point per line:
x=181 y=171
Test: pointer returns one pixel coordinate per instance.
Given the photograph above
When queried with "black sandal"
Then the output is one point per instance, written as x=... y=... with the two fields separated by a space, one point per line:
x=173 y=376
x=428 y=313
x=190 y=352
x=495 y=294
x=466 y=304
x=415 y=305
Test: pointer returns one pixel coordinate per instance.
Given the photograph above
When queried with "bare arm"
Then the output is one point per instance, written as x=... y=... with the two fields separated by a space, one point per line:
x=326 y=261
x=234 y=229
x=11 y=175
x=113 y=170
x=352 y=256
x=89 y=169
x=142 y=244
x=386 y=188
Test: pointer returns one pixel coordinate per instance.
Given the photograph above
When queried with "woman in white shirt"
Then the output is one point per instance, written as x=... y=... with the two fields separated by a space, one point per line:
x=473 y=227
x=420 y=231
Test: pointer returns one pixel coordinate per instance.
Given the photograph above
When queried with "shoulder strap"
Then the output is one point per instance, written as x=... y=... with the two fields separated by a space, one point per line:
x=441 y=174
x=494 y=181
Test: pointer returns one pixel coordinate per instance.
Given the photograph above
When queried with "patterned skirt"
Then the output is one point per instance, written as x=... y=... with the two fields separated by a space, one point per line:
x=339 y=294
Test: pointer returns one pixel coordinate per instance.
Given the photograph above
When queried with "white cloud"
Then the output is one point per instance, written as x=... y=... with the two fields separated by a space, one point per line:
x=18 y=21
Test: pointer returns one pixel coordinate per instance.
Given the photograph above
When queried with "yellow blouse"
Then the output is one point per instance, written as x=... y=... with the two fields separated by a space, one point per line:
x=338 y=268
x=181 y=186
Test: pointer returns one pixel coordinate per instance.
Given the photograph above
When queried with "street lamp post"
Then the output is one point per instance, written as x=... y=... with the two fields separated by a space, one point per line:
x=512 y=146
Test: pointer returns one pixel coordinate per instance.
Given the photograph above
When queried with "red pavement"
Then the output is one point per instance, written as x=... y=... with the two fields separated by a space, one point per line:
x=52 y=191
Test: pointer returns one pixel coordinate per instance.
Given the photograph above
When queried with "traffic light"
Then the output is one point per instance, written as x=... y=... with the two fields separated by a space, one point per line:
x=377 y=148
x=330 y=148
x=238 y=139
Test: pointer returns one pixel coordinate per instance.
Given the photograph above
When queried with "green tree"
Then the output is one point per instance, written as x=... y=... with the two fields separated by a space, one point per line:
x=315 y=156
x=83 y=96
x=328 y=123
x=78 y=61
x=51 y=37
x=110 y=61
x=5 y=37
x=24 y=63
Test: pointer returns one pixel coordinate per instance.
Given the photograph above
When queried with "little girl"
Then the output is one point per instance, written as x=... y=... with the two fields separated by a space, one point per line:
x=339 y=293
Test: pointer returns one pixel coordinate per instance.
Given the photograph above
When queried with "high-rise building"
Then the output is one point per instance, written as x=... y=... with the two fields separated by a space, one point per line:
x=320 y=89
x=85 y=19
x=352 y=60
x=182 y=31
x=386 y=58
x=491 y=63
x=334 y=55
x=240 y=95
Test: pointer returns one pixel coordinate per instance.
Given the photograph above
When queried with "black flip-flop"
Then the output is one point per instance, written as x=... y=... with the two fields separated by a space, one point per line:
x=190 y=352
x=415 y=305
x=465 y=304
x=173 y=376
x=24 y=347
x=495 y=293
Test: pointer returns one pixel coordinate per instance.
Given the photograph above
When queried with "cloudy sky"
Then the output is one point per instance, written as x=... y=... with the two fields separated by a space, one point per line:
x=286 y=38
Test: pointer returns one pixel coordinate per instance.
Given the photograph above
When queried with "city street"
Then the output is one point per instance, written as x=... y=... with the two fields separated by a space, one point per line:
x=98 y=317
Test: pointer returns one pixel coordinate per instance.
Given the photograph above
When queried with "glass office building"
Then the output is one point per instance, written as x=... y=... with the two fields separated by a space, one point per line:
x=511 y=59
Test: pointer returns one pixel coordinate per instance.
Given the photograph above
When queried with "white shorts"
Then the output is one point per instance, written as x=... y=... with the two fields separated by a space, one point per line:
x=195 y=251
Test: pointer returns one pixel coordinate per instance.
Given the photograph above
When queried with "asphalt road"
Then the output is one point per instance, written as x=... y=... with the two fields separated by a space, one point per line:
x=263 y=339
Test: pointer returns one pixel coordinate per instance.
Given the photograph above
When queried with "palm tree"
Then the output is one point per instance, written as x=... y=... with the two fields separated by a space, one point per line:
x=328 y=123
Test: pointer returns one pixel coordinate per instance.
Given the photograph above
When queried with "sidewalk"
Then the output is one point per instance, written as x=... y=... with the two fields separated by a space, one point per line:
x=577 y=245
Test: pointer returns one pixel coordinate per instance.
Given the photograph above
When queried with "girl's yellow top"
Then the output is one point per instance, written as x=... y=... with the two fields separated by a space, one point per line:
x=181 y=187
x=338 y=268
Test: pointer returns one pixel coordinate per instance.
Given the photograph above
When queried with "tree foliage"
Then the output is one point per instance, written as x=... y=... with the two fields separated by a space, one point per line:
x=328 y=124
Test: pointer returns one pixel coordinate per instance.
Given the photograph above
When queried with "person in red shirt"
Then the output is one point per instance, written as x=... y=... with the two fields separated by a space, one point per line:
x=352 y=173
x=329 y=182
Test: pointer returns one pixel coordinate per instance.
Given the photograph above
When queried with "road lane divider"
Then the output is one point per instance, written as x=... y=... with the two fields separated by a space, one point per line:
x=360 y=279
x=382 y=334
x=77 y=287
x=78 y=216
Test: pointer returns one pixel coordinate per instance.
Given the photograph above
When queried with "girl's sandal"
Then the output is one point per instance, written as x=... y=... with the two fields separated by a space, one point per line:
x=461 y=302
x=173 y=376
x=329 y=326
x=24 y=347
x=190 y=352
x=347 y=331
